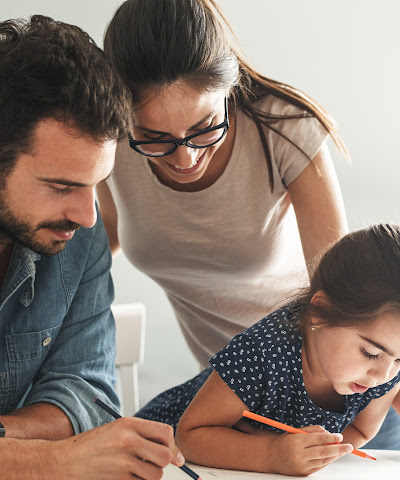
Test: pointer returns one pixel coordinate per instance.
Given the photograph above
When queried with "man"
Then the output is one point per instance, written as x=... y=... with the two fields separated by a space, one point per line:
x=61 y=112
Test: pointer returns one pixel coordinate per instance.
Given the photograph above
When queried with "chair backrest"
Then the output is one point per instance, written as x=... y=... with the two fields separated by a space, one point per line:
x=130 y=320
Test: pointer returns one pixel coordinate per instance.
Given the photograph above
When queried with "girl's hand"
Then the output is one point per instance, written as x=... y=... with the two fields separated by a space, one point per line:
x=299 y=454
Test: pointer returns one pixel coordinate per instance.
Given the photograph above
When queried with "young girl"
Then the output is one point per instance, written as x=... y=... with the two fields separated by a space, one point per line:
x=328 y=361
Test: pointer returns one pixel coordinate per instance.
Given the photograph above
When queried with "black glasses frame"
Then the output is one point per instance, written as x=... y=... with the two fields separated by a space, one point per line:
x=177 y=143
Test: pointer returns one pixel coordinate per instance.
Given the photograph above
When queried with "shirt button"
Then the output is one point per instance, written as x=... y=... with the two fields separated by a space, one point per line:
x=46 y=341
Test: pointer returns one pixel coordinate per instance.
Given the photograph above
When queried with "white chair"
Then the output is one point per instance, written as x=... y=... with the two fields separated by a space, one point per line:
x=130 y=320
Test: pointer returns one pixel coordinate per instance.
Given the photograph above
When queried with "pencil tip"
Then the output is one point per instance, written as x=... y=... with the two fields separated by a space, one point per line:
x=369 y=456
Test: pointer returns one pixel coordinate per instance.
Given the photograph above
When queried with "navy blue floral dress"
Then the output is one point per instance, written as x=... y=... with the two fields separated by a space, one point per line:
x=262 y=365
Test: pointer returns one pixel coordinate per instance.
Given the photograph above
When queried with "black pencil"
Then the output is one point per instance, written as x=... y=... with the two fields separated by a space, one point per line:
x=115 y=414
x=190 y=472
x=106 y=408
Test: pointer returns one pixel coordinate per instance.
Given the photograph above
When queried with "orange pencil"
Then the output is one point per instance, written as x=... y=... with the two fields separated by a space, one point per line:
x=288 y=428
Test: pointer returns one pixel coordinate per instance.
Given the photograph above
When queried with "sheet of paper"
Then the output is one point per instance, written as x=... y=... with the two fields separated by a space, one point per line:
x=387 y=466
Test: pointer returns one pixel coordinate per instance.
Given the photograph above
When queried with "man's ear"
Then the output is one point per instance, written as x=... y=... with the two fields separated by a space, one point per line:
x=320 y=298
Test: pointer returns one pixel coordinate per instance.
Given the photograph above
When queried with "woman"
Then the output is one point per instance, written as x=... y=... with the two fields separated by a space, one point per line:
x=225 y=192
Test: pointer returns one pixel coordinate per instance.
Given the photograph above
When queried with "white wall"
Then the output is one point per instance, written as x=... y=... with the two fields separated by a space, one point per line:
x=346 y=55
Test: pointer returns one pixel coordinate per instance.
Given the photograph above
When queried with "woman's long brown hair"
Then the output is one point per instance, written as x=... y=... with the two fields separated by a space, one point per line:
x=154 y=43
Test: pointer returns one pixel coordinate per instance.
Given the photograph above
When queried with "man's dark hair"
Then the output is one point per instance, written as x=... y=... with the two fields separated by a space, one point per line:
x=49 y=69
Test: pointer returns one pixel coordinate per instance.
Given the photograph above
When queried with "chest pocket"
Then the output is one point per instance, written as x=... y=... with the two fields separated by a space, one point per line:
x=32 y=346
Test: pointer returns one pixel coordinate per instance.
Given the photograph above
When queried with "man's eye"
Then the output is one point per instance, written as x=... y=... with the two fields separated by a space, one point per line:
x=61 y=191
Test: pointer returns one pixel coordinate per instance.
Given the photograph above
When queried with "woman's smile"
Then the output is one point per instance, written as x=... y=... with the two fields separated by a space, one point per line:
x=196 y=165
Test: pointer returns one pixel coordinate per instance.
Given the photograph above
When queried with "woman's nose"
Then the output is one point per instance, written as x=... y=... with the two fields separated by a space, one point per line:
x=184 y=156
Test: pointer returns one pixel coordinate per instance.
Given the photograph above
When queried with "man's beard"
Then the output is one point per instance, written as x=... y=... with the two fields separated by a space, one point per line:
x=15 y=230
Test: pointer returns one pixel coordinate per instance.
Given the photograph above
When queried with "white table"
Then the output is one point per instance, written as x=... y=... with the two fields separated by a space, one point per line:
x=349 y=467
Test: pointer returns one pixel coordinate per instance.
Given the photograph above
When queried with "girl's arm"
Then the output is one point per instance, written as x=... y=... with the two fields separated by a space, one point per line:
x=205 y=436
x=318 y=204
x=109 y=215
x=396 y=403
x=367 y=424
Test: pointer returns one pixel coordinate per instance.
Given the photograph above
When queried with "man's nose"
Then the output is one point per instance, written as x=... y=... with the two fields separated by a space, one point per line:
x=83 y=210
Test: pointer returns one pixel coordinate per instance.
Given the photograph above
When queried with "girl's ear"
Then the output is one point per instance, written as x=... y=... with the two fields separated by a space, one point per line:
x=319 y=298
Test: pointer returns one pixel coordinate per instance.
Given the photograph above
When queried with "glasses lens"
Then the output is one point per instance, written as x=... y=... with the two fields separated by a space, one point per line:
x=155 y=149
x=207 y=138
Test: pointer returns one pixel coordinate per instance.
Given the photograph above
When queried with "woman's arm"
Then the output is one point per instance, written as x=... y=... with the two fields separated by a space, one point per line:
x=367 y=424
x=109 y=214
x=319 y=208
x=205 y=436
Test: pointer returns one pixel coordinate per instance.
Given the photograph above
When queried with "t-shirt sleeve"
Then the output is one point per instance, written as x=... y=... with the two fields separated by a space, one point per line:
x=240 y=365
x=298 y=140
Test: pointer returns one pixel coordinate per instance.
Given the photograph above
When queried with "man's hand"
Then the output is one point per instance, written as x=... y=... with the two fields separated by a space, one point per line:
x=130 y=448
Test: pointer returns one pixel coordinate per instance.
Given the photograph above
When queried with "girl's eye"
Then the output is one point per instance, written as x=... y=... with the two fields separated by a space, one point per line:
x=60 y=191
x=369 y=355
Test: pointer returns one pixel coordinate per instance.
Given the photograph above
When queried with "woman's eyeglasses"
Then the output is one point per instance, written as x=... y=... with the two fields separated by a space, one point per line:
x=202 y=139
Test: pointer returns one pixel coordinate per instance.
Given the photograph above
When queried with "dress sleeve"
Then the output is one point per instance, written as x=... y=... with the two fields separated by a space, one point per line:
x=241 y=366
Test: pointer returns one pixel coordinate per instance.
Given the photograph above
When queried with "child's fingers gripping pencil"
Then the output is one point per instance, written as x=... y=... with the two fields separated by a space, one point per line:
x=288 y=428
x=116 y=415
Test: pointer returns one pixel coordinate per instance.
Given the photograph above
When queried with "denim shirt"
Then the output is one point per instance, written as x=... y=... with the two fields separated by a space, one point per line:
x=57 y=333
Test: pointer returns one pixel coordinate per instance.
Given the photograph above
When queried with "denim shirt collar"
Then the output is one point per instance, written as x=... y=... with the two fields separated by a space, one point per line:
x=22 y=268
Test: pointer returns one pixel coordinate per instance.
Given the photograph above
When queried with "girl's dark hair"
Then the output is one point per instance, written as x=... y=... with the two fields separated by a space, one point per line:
x=153 y=43
x=360 y=276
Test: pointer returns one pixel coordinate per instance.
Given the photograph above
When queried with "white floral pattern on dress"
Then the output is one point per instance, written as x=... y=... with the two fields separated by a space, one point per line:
x=263 y=367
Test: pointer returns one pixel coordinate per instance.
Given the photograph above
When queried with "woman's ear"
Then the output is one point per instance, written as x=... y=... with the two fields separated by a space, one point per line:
x=320 y=298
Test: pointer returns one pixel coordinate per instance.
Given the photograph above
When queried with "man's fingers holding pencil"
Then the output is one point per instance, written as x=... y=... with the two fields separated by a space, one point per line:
x=153 y=442
x=177 y=459
x=158 y=448
x=162 y=434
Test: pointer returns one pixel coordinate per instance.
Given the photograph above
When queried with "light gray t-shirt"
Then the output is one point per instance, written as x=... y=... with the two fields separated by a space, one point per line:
x=229 y=254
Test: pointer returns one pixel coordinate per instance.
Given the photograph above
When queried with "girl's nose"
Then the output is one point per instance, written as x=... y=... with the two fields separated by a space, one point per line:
x=381 y=373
